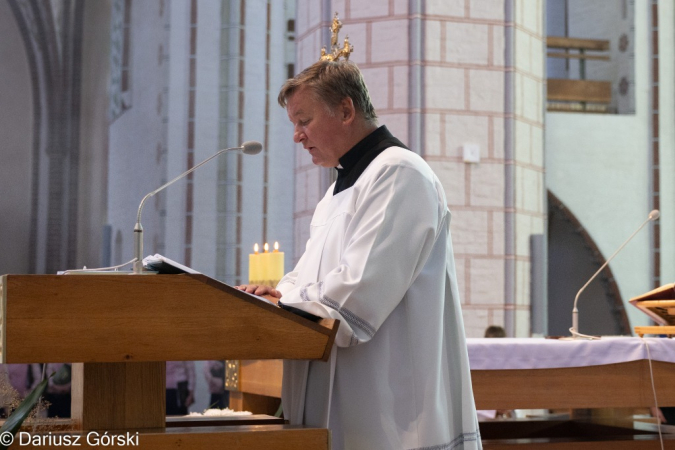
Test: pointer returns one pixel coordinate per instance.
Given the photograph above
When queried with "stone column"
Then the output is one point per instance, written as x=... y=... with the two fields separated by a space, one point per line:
x=442 y=75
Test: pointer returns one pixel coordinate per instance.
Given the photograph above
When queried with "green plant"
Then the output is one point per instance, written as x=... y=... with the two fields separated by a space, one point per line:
x=14 y=421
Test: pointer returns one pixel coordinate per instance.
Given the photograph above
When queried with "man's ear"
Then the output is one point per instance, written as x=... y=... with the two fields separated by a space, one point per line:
x=347 y=110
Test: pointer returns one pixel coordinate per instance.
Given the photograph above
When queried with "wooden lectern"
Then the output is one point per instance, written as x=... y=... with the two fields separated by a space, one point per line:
x=120 y=329
x=659 y=305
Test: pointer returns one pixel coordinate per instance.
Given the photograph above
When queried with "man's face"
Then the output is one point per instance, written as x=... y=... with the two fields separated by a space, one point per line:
x=319 y=131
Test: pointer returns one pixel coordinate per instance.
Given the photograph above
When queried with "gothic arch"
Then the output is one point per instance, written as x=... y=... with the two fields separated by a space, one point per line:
x=52 y=37
x=16 y=125
x=573 y=258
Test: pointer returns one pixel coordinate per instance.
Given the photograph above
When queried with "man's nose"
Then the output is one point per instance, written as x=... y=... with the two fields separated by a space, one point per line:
x=298 y=137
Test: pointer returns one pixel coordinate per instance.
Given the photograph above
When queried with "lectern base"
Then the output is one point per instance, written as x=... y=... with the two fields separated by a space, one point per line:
x=119 y=396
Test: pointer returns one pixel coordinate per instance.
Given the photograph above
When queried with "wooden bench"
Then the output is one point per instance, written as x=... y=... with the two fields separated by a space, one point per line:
x=578 y=95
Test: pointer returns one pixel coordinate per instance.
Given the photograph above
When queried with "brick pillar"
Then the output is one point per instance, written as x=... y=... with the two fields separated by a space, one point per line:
x=443 y=74
x=525 y=210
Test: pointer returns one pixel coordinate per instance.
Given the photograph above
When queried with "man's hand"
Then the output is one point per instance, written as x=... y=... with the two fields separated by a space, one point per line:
x=260 y=290
x=658 y=414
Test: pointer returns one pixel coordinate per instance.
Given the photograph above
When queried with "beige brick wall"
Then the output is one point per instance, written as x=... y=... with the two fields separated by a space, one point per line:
x=463 y=102
x=529 y=211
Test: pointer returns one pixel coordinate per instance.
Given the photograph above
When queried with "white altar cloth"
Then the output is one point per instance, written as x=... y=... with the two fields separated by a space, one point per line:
x=539 y=353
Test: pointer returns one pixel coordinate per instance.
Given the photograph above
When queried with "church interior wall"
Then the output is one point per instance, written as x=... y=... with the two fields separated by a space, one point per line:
x=281 y=161
x=206 y=137
x=597 y=165
x=572 y=262
x=93 y=246
x=229 y=178
x=525 y=176
x=603 y=180
x=253 y=124
x=16 y=128
x=177 y=131
x=257 y=191
x=136 y=137
x=667 y=138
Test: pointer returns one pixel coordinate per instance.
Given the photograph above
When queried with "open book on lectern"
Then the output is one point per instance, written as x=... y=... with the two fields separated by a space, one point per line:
x=165 y=266
x=659 y=304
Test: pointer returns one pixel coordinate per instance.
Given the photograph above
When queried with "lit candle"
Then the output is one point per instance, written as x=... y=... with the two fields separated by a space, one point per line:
x=276 y=269
x=265 y=265
x=254 y=266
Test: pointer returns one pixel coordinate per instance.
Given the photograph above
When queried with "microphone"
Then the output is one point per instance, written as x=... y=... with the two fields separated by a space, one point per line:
x=248 y=148
x=653 y=215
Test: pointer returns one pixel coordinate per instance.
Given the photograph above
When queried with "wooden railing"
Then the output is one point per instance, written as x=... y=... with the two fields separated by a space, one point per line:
x=578 y=95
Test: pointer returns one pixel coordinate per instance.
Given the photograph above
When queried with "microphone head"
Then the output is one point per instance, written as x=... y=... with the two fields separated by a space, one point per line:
x=251 y=147
x=655 y=214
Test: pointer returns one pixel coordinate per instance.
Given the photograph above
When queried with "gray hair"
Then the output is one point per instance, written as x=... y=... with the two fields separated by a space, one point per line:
x=332 y=82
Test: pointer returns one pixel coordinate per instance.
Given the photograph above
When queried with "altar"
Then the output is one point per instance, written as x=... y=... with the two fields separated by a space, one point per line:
x=532 y=373
x=612 y=372
x=548 y=374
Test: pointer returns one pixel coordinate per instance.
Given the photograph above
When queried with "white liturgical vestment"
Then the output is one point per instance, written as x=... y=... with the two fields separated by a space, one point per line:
x=380 y=260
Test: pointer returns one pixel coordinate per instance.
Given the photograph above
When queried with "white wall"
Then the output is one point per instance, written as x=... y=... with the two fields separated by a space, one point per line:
x=205 y=214
x=597 y=165
x=135 y=167
x=176 y=143
x=667 y=138
x=280 y=140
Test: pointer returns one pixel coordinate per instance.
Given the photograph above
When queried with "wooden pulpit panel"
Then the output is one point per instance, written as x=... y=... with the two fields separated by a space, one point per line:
x=256 y=386
x=125 y=318
x=261 y=377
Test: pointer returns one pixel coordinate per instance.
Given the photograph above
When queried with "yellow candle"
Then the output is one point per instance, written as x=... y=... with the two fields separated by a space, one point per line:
x=265 y=265
x=276 y=265
x=254 y=266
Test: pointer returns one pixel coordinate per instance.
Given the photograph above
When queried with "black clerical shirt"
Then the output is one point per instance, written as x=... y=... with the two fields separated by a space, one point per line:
x=355 y=161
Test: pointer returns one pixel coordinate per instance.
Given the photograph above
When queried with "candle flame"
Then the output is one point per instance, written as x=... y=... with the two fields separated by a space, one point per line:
x=276 y=246
x=256 y=248
x=266 y=247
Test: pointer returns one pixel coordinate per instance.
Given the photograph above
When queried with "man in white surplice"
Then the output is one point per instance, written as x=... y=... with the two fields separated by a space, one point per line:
x=380 y=260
